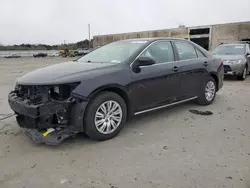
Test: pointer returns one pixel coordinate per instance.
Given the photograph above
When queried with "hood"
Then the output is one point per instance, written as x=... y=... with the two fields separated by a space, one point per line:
x=230 y=57
x=61 y=73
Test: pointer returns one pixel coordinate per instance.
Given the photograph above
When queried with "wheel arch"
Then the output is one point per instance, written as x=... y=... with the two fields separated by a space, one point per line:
x=115 y=88
x=215 y=77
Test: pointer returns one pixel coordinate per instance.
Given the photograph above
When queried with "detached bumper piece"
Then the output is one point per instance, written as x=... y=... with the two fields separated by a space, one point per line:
x=49 y=137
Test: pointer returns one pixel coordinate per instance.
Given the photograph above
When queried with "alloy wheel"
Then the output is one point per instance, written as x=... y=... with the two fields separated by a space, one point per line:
x=108 y=117
x=210 y=90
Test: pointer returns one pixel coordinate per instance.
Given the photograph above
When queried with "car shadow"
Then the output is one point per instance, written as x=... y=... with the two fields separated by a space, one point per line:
x=134 y=123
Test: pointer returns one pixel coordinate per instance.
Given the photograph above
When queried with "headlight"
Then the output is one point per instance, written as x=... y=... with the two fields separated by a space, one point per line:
x=235 y=61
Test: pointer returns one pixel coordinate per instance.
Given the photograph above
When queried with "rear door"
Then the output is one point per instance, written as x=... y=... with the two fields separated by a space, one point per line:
x=193 y=67
x=156 y=84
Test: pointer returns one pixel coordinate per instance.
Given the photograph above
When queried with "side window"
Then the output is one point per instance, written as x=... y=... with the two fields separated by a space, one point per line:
x=248 y=48
x=185 y=50
x=199 y=53
x=161 y=52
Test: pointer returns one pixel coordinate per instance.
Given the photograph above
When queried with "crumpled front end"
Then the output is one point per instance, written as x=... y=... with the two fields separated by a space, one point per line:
x=45 y=111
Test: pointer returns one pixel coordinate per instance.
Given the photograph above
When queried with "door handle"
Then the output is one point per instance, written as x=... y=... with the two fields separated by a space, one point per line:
x=175 y=69
x=205 y=64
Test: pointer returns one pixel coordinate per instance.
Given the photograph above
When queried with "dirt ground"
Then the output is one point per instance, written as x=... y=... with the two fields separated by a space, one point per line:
x=167 y=148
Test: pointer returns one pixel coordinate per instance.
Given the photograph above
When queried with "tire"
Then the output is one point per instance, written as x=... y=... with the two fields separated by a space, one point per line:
x=95 y=106
x=243 y=74
x=202 y=99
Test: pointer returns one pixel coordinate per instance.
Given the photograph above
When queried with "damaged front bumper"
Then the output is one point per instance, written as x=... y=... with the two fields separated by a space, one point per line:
x=54 y=137
x=48 y=122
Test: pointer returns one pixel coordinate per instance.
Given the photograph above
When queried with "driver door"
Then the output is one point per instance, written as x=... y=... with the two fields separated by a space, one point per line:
x=156 y=84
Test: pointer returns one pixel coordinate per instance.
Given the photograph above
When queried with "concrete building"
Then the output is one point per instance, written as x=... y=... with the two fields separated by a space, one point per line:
x=208 y=36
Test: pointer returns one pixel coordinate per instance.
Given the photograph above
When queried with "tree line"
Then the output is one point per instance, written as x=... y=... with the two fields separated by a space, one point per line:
x=71 y=46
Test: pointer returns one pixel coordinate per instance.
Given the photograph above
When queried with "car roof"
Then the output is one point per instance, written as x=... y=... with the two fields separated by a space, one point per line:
x=152 y=39
x=233 y=44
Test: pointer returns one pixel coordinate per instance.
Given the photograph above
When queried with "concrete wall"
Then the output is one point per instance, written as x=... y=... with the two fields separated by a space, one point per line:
x=105 y=39
x=229 y=33
x=218 y=34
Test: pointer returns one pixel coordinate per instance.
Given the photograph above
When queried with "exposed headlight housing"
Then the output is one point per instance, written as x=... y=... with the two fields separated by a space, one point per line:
x=63 y=91
x=235 y=61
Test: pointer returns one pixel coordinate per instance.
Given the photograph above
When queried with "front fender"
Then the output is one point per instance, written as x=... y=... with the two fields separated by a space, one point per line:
x=87 y=88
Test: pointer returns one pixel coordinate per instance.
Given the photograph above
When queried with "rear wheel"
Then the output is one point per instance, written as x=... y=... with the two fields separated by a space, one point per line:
x=105 y=116
x=243 y=74
x=207 y=92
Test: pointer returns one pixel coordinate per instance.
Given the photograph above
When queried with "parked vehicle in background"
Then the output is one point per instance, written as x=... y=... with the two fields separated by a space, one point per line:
x=236 y=58
x=98 y=92
x=86 y=51
x=82 y=52
x=64 y=52
x=40 y=55
x=13 y=56
x=68 y=53
x=54 y=54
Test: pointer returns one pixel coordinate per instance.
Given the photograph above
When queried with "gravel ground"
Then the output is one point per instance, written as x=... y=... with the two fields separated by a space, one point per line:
x=167 y=148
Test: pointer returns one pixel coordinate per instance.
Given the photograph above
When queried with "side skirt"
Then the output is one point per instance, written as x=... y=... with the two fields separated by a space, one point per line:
x=164 y=106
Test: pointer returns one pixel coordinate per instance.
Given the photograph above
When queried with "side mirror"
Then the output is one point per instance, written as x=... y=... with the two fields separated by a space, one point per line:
x=145 y=61
x=248 y=55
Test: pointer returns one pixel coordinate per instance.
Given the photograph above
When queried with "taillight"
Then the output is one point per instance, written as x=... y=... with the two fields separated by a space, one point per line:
x=221 y=63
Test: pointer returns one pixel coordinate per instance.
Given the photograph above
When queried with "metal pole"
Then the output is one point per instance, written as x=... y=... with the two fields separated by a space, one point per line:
x=89 y=35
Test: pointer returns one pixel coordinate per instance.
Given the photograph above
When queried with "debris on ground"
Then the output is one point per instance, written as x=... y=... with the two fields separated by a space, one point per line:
x=33 y=166
x=198 y=112
x=229 y=108
x=165 y=147
x=62 y=181
x=229 y=177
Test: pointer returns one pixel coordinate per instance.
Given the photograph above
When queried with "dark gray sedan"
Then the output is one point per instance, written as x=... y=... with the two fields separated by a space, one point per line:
x=98 y=92
x=236 y=59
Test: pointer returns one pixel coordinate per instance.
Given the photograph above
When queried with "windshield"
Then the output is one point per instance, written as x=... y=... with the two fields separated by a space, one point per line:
x=229 y=50
x=113 y=53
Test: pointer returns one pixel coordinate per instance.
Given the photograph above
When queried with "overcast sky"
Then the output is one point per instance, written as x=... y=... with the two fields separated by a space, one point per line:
x=53 y=21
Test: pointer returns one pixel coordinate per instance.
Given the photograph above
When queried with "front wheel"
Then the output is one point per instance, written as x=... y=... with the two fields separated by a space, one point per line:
x=207 y=92
x=105 y=116
x=243 y=74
